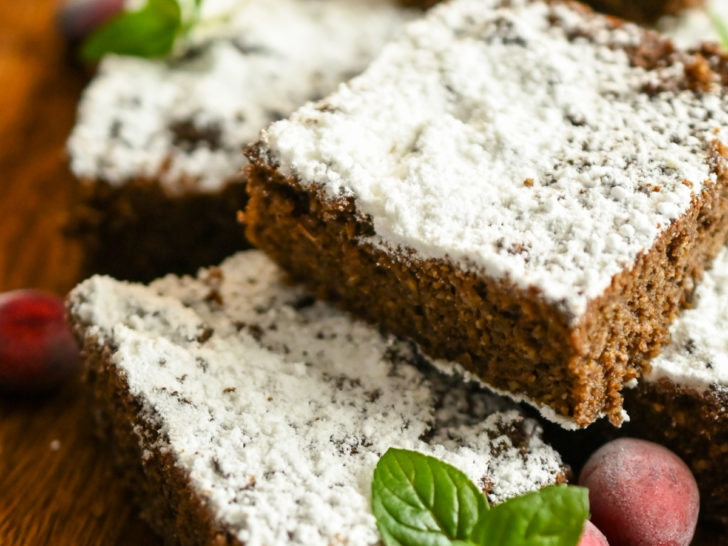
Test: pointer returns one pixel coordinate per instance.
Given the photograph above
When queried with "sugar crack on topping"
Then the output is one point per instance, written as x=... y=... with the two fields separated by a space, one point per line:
x=525 y=140
x=186 y=120
x=278 y=408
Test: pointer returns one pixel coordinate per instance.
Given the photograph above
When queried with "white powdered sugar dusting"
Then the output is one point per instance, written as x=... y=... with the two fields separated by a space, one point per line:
x=249 y=62
x=492 y=137
x=278 y=407
x=698 y=355
x=693 y=26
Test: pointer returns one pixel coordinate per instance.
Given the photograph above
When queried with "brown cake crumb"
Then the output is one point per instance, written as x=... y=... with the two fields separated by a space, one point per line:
x=401 y=237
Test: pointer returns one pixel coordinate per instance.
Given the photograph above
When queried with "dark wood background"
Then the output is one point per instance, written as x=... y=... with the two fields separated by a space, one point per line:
x=56 y=486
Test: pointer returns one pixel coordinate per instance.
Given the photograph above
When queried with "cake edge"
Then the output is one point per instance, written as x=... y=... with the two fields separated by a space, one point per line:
x=126 y=422
x=293 y=222
x=158 y=486
x=139 y=231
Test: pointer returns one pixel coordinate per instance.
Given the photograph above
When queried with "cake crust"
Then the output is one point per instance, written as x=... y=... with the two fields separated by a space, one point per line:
x=158 y=486
x=554 y=334
x=137 y=231
x=509 y=338
x=243 y=411
x=157 y=145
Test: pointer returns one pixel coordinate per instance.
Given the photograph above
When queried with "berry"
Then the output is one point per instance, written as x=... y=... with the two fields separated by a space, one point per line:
x=592 y=536
x=641 y=494
x=79 y=18
x=37 y=349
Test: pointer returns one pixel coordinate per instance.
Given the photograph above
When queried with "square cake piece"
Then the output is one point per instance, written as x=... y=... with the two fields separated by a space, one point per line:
x=158 y=144
x=525 y=187
x=246 y=413
x=682 y=401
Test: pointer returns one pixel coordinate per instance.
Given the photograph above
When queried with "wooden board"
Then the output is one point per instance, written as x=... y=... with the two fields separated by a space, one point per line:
x=56 y=486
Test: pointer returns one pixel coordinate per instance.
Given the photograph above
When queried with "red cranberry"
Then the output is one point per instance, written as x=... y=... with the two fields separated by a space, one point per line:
x=79 y=18
x=591 y=536
x=37 y=349
x=641 y=494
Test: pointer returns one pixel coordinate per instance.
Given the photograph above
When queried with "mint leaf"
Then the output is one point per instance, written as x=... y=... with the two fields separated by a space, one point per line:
x=148 y=32
x=721 y=28
x=554 y=516
x=421 y=501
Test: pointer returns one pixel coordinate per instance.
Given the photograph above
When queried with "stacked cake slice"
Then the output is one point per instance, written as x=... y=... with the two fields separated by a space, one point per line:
x=158 y=143
x=540 y=219
x=245 y=413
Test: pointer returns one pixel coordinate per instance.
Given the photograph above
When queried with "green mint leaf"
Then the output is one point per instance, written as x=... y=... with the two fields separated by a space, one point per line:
x=148 y=32
x=421 y=501
x=554 y=516
x=721 y=28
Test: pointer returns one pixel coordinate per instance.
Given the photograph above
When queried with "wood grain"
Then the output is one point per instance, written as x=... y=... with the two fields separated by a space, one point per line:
x=56 y=485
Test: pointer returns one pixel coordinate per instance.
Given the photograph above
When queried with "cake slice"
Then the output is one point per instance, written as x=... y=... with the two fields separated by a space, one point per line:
x=158 y=143
x=682 y=401
x=246 y=413
x=525 y=187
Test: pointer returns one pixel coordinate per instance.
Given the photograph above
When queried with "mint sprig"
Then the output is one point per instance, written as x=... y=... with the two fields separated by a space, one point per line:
x=720 y=27
x=148 y=32
x=419 y=500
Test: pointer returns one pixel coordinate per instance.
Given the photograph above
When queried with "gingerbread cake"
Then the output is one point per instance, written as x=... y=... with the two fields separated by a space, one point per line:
x=158 y=143
x=244 y=412
x=525 y=187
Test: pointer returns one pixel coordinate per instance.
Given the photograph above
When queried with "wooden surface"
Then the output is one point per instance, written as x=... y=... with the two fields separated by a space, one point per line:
x=56 y=486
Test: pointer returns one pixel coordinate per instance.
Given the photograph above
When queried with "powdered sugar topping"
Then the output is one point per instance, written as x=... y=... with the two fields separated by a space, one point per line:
x=279 y=407
x=525 y=149
x=186 y=120
x=698 y=355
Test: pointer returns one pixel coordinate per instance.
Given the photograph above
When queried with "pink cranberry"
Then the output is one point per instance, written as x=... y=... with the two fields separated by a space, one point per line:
x=592 y=536
x=37 y=349
x=79 y=18
x=641 y=494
